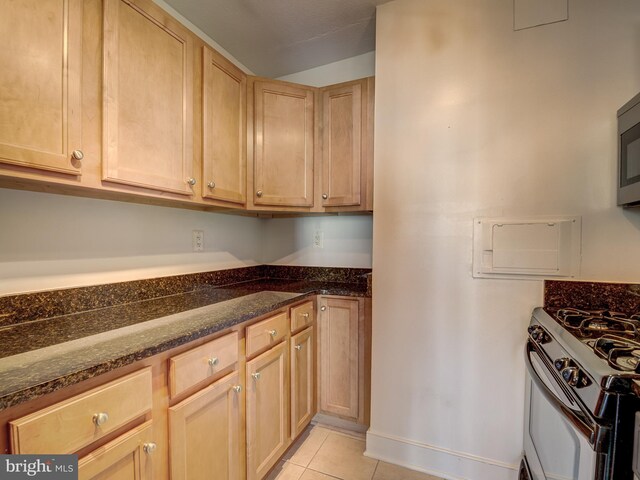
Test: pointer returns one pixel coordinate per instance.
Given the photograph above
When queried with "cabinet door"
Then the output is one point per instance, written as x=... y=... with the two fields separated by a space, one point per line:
x=267 y=410
x=40 y=93
x=342 y=145
x=224 y=141
x=283 y=145
x=204 y=433
x=339 y=356
x=128 y=457
x=148 y=77
x=302 y=374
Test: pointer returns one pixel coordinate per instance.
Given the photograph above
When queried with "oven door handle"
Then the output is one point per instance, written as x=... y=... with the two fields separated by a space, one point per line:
x=578 y=419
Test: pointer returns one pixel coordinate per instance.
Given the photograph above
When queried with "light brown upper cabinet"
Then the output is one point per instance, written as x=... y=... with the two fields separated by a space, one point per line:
x=117 y=99
x=40 y=89
x=224 y=162
x=282 y=141
x=148 y=98
x=347 y=135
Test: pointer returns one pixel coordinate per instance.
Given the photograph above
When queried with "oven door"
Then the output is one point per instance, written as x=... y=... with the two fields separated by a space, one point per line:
x=558 y=434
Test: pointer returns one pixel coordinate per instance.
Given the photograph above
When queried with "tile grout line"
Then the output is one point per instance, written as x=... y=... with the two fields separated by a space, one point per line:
x=316 y=452
x=323 y=473
x=375 y=469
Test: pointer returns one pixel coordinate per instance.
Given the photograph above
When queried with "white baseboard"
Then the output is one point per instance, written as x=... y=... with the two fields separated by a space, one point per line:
x=437 y=461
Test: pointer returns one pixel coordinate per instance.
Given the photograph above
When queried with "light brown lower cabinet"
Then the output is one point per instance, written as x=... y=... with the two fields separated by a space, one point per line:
x=267 y=400
x=341 y=357
x=186 y=413
x=126 y=458
x=302 y=380
x=204 y=433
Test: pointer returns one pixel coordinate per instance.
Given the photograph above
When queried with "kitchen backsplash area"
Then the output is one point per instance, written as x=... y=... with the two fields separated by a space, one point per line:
x=16 y=309
x=615 y=297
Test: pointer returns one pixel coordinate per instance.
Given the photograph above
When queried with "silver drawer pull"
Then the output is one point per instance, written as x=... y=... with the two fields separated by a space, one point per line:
x=237 y=388
x=325 y=196
x=100 y=418
x=213 y=361
x=323 y=308
x=149 y=448
x=259 y=193
x=305 y=315
x=211 y=184
x=77 y=155
x=298 y=347
x=256 y=375
x=191 y=181
x=273 y=332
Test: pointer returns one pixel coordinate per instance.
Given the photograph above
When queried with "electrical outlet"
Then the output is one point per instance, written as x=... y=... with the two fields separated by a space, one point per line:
x=198 y=241
x=318 y=239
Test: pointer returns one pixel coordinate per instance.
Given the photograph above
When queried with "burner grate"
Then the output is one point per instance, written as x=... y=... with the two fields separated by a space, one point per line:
x=620 y=353
x=588 y=324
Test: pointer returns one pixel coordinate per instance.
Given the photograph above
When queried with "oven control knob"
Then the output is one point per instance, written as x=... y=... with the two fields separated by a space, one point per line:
x=573 y=376
x=562 y=363
x=538 y=334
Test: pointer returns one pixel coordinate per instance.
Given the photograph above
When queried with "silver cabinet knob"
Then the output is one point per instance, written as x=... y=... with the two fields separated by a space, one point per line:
x=237 y=388
x=273 y=333
x=211 y=184
x=259 y=193
x=149 y=448
x=305 y=315
x=256 y=375
x=298 y=347
x=100 y=419
x=325 y=196
x=323 y=308
x=77 y=155
x=191 y=181
x=213 y=361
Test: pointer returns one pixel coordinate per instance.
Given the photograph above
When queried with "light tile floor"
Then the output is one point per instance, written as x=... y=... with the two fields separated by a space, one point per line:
x=322 y=453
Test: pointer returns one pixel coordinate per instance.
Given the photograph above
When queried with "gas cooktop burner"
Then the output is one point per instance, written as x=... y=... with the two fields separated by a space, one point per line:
x=593 y=324
x=620 y=353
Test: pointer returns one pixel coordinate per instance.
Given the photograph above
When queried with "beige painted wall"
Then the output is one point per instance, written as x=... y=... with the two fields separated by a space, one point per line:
x=474 y=119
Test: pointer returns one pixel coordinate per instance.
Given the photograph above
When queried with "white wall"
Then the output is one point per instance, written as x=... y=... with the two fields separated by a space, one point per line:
x=473 y=119
x=346 y=241
x=52 y=241
x=345 y=70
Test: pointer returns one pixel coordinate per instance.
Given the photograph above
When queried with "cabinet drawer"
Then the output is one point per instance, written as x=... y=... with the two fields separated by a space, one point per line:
x=200 y=363
x=301 y=316
x=75 y=423
x=265 y=333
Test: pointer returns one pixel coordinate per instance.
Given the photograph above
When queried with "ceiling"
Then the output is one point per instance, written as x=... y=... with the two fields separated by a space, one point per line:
x=274 y=38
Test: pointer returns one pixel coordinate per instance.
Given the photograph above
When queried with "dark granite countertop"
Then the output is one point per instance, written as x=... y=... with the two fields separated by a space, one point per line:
x=40 y=356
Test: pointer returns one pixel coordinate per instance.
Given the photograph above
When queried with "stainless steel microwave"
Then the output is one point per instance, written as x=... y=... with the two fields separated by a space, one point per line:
x=629 y=153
